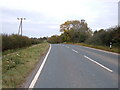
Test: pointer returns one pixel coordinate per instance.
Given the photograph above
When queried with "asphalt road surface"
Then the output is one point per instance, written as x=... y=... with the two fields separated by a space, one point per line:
x=73 y=66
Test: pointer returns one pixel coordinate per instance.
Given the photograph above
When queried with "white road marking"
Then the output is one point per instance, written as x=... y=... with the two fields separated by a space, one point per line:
x=75 y=51
x=101 y=50
x=40 y=69
x=98 y=64
x=67 y=47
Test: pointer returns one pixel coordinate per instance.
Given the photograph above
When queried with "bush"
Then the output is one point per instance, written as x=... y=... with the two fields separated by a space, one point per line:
x=16 y=41
x=104 y=37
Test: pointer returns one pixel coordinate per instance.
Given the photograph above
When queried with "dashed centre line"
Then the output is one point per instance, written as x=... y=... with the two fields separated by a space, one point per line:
x=67 y=47
x=74 y=50
x=92 y=60
x=98 y=64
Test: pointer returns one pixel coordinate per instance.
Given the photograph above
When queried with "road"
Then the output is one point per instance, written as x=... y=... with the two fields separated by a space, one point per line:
x=73 y=66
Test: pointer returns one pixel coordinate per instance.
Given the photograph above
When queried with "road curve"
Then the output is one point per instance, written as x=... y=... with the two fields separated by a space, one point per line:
x=73 y=66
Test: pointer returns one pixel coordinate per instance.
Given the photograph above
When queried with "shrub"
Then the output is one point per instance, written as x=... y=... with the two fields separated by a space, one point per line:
x=16 y=41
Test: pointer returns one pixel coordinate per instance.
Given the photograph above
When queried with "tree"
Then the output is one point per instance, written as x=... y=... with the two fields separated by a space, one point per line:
x=104 y=37
x=54 y=39
x=75 y=31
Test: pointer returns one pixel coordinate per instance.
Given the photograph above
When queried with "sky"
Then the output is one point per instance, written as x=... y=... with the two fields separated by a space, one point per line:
x=44 y=17
x=119 y=13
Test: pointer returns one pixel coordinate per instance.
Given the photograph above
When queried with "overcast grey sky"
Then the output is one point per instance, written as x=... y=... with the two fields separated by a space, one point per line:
x=43 y=17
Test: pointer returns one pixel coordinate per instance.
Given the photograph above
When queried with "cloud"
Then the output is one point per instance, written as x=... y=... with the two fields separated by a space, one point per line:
x=43 y=17
x=54 y=27
x=36 y=24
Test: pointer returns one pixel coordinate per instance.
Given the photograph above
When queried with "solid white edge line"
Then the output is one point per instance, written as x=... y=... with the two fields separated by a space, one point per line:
x=40 y=69
x=98 y=64
x=74 y=50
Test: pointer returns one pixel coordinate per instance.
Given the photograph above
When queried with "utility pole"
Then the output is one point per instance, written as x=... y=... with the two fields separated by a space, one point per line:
x=20 y=26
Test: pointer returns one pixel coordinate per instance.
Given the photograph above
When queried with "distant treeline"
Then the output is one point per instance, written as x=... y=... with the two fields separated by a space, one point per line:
x=78 y=32
x=105 y=37
x=17 y=41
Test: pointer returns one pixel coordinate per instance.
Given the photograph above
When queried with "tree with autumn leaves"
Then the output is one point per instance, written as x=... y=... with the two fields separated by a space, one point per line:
x=74 y=31
x=78 y=32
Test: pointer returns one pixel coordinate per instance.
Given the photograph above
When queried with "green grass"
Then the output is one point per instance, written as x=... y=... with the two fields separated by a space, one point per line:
x=16 y=67
x=0 y=73
x=106 y=48
x=11 y=51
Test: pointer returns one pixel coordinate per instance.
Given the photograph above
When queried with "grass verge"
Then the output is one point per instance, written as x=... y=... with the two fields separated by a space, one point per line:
x=106 y=48
x=12 y=51
x=17 y=66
